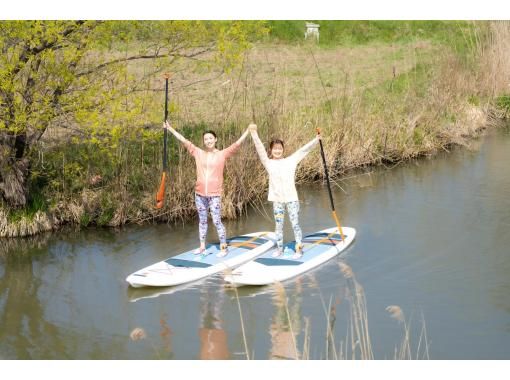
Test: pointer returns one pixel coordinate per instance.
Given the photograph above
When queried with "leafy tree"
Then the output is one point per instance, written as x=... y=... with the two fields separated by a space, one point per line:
x=68 y=73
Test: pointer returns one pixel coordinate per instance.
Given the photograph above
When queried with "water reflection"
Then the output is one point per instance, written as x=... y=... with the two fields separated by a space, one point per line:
x=137 y=294
x=24 y=332
x=23 y=246
x=213 y=338
x=165 y=334
x=286 y=321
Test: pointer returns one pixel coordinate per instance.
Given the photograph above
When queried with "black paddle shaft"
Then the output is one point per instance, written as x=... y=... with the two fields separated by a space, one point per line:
x=165 y=164
x=327 y=176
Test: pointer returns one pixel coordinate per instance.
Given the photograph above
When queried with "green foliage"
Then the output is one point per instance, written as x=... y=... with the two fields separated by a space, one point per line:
x=346 y=32
x=416 y=78
x=287 y=30
x=448 y=116
x=418 y=136
x=37 y=66
x=37 y=202
x=415 y=81
x=81 y=75
x=107 y=210
x=53 y=70
x=503 y=103
x=110 y=122
x=474 y=100
x=85 y=219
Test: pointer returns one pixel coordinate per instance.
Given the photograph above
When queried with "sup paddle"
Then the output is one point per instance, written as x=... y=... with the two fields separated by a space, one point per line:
x=329 y=188
x=160 y=196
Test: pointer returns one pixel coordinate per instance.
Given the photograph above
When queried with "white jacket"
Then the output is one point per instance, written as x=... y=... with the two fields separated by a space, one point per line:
x=282 y=172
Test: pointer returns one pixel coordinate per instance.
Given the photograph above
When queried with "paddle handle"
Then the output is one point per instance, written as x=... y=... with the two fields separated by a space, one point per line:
x=160 y=195
x=165 y=161
x=335 y=217
x=326 y=171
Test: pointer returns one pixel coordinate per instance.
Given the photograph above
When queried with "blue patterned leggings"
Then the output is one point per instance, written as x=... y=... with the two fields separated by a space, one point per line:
x=214 y=204
x=279 y=217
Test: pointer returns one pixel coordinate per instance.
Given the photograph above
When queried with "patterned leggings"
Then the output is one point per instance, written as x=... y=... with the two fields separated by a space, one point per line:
x=279 y=217
x=214 y=204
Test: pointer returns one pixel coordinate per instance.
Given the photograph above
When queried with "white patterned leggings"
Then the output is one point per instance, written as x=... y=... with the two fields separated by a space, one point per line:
x=214 y=204
x=279 y=217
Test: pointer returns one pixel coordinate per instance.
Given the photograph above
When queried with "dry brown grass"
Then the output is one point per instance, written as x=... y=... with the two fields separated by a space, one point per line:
x=375 y=104
x=283 y=78
x=26 y=225
x=495 y=59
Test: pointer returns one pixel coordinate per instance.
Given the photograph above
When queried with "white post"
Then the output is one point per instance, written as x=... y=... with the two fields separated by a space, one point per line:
x=312 y=30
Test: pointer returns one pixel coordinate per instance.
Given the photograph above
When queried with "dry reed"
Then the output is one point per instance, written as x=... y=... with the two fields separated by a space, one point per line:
x=357 y=343
x=375 y=105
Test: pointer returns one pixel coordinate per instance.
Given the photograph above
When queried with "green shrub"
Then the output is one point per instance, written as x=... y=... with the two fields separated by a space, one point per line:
x=503 y=103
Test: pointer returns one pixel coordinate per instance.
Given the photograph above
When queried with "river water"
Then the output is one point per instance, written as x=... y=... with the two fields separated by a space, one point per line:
x=433 y=237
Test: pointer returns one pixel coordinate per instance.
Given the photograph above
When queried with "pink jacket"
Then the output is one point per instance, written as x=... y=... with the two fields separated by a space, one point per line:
x=210 y=168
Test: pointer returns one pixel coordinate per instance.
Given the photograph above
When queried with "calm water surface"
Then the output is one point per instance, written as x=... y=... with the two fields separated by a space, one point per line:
x=433 y=238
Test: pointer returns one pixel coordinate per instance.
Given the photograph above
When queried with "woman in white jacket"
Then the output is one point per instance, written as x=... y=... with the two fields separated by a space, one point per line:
x=282 y=187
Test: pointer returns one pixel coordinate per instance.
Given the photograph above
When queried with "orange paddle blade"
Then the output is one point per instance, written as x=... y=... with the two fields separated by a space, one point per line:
x=160 y=196
x=338 y=225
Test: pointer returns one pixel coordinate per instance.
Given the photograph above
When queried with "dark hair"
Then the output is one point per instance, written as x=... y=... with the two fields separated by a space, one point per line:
x=273 y=143
x=209 y=131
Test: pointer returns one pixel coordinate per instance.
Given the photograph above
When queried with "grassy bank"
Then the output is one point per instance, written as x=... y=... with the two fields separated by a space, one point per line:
x=380 y=99
x=355 y=33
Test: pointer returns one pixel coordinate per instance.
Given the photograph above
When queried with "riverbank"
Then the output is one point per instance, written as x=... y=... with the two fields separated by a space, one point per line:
x=376 y=104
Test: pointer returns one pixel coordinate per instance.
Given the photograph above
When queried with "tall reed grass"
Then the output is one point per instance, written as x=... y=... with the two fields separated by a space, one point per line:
x=356 y=343
x=376 y=104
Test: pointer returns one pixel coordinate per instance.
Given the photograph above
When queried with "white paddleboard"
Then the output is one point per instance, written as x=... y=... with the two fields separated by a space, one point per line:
x=188 y=267
x=318 y=248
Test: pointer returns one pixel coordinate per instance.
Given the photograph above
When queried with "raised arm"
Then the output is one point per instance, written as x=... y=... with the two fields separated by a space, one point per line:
x=261 y=151
x=177 y=135
x=301 y=153
x=188 y=144
x=233 y=148
x=243 y=136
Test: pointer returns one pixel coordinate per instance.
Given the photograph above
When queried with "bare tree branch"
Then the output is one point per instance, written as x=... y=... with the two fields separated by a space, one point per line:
x=145 y=56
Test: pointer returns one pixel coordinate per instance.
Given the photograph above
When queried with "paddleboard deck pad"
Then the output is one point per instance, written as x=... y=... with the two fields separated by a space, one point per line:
x=318 y=248
x=188 y=266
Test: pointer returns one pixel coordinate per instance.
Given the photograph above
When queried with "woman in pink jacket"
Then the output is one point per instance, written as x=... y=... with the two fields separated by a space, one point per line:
x=209 y=163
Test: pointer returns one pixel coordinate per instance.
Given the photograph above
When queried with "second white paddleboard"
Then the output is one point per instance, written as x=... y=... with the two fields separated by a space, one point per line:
x=318 y=248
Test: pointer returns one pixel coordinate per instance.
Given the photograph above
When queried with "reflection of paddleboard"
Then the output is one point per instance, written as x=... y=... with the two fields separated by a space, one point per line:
x=318 y=248
x=188 y=267
x=136 y=294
